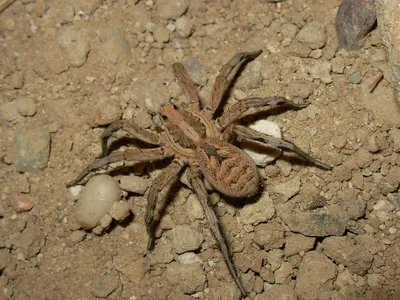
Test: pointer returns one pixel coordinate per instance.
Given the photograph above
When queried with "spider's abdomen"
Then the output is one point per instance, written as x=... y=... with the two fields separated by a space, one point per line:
x=227 y=168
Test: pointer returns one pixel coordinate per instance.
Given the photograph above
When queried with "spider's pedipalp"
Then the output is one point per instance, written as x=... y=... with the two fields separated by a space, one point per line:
x=186 y=84
x=273 y=142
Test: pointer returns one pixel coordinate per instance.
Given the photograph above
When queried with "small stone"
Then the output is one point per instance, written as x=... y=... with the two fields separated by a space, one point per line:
x=105 y=222
x=195 y=69
x=313 y=35
x=301 y=88
x=258 y=212
x=277 y=292
x=269 y=236
x=134 y=184
x=150 y=94
x=363 y=158
x=239 y=95
x=191 y=278
x=104 y=285
x=185 y=239
x=74 y=192
x=316 y=274
x=75 y=46
x=250 y=80
x=296 y=243
x=275 y=258
x=32 y=149
x=115 y=48
x=184 y=26
x=162 y=253
x=394 y=134
x=314 y=223
x=288 y=189
x=284 y=273
x=384 y=205
x=120 y=211
x=102 y=110
x=289 y=30
x=260 y=154
x=17 y=80
x=298 y=49
x=346 y=251
x=161 y=34
x=337 y=65
x=355 y=78
x=189 y=258
x=26 y=107
x=21 y=203
x=5 y=258
x=78 y=236
x=317 y=53
x=193 y=208
x=89 y=6
x=375 y=280
x=321 y=69
x=9 y=111
x=172 y=9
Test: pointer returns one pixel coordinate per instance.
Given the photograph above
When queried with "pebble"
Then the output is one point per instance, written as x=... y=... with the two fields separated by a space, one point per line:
x=150 y=94
x=32 y=148
x=314 y=223
x=9 y=111
x=363 y=158
x=191 y=278
x=115 y=48
x=384 y=205
x=298 y=49
x=120 y=211
x=394 y=134
x=189 y=258
x=250 y=80
x=78 y=236
x=259 y=211
x=260 y=154
x=74 y=44
x=26 y=107
x=269 y=236
x=275 y=258
x=185 y=26
x=74 y=192
x=185 y=239
x=313 y=35
x=355 y=78
x=344 y=250
x=21 y=203
x=134 y=184
x=288 y=189
x=375 y=280
x=301 y=88
x=239 y=95
x=162 y=253
x=104 y=285
x=284 y=273
x=321 y=69
x=289 y=30
x=17 y=80
x=161 y=34
x=89 y=6
x=296 y=243
x=102 y=110
x=195 y=69
x=315 y=275
x=172 y=9
x=277 y=292
x=5 y=258
x=338 y=65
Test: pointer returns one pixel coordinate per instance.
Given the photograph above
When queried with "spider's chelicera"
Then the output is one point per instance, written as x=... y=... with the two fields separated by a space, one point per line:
x=194 y=136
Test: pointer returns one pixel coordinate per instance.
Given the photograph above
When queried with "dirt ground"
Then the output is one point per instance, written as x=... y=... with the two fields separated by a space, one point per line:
x=69 y=68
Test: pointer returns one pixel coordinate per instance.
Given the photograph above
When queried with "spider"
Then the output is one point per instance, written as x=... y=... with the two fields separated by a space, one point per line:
x=198 y=137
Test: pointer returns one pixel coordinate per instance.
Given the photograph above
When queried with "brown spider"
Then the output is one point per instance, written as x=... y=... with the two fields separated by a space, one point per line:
x=196 y=138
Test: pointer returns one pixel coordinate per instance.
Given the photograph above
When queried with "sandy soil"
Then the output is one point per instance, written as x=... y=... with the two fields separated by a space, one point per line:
x=68 y=68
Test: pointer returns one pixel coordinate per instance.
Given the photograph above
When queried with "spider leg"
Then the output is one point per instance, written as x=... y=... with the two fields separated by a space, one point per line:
x=152 y=216
x=186 y=84
x=126 y=155
x=245 y=133
x=222 y=81
x=131 y=128
x=212 y=220
x=252 y=106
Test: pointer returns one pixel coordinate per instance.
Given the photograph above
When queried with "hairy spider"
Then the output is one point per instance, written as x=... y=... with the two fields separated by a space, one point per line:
x=194 y=136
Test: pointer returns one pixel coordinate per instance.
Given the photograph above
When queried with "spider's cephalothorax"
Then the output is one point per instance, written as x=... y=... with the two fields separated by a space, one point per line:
x=196 y=137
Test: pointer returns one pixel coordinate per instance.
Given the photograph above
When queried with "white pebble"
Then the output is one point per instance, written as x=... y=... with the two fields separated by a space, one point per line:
x=99 y=195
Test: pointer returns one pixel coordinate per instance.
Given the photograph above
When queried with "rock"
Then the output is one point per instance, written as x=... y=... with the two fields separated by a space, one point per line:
x=101 y=110
x=375 y=280
x=193 y=208
x=17 y=80
x=296 y=243
x=258 y=212
x=21 y=203
x=134 y=184
x=195 y=70
x=150 y=94
x=9 y=111
x=89 y=6
x=277 y=292
x=275 y=258
x=32 y=149
x=250 y=80
x=344 y=250
x=355 y=78
x=313 y=35
x=384 y=205
x=314 y=223
x=288 y=189
x=185 y=239
x=298 y=49
x=161 y=34
x=190 y=278
x=172 y=9
x=120 y=211
x=301 y=88
x=189 y=258
x=269 y=236
x=289 y=30
x=284 y=273
x=185 y=26
x=260 y=154
x=115 y=48
x=78 y=236
x=394 y=134
x=104 y=285
x=131 y=264
x=316 y=274
x=74 y=45
x=338 y=65
x=74 y=192
x=5 y=258
x=32 y=240
x=162 y=253
x=321 y=69
x=26 y=107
